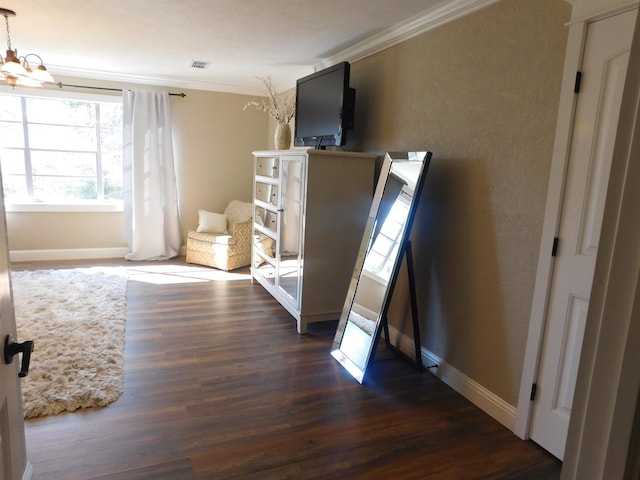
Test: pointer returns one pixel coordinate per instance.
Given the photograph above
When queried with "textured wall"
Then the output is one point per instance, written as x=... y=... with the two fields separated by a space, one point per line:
x=213 y=140
x=482 y=94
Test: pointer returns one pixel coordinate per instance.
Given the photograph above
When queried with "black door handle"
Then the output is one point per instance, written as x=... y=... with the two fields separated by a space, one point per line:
x=12 y=348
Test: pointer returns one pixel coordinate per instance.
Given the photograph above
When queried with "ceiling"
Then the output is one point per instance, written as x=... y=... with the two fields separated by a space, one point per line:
x=156 y=41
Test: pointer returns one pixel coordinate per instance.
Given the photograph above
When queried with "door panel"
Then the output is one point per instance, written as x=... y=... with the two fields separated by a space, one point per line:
x=614 y=71
x=290 y=216
x=603 y=73
x=12 y=441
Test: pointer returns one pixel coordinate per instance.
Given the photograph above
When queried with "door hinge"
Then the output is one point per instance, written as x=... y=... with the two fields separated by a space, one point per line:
x=534 y=388
x=554 y=249
x=576 y=87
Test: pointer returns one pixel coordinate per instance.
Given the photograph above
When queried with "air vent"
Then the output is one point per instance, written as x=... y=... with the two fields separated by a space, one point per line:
x=199 y=64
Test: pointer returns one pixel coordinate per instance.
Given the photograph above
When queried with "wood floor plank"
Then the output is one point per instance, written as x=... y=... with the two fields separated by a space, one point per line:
x=218 y=385
x=176 y=470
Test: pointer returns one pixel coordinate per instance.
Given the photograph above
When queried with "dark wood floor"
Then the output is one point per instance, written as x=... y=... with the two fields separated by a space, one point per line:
x=218 y=385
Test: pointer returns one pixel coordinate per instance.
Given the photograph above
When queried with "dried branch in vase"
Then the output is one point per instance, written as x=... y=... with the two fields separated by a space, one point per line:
x=280 y=107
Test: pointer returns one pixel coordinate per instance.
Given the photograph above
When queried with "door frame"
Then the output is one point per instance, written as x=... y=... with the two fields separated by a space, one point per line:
x=601 y=436
x=583 y=13
x=12 y=419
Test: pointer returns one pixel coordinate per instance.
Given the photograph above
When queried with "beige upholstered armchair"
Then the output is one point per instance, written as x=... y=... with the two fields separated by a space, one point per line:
x=222 y=240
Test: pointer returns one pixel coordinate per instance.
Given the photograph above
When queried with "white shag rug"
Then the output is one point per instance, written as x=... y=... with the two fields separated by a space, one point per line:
x=362 y=322
x=76 y=318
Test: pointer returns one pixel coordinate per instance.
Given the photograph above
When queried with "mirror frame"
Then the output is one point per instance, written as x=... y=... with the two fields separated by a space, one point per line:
x=377 y=211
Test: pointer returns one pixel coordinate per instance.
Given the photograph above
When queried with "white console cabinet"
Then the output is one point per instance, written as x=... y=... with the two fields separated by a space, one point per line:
x=311 y=207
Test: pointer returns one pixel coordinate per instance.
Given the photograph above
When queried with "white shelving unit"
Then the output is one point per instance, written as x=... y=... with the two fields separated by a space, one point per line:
x=311 y=207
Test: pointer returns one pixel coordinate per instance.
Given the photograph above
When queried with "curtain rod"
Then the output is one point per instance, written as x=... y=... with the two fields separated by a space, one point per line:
x=60 y=84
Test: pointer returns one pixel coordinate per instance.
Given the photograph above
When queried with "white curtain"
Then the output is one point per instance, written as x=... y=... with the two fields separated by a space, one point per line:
x=152 y=223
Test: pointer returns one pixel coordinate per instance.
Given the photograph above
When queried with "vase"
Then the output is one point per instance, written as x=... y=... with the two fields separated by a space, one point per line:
x=282 y=136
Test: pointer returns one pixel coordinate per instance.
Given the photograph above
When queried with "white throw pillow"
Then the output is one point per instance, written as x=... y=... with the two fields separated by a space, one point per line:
x=211 y=222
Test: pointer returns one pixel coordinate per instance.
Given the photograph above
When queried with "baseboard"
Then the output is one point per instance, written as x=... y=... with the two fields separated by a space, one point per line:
x=484 y=399
x=67 y=254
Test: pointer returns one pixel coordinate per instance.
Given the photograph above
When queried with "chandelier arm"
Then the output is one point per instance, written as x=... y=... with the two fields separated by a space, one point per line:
x=33 y=55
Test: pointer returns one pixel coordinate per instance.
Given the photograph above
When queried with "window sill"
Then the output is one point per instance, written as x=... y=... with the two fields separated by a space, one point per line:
x=375 y=277
x=64 y=207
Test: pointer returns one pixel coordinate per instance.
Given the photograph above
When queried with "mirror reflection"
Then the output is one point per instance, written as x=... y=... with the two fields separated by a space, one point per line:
x=393 y=208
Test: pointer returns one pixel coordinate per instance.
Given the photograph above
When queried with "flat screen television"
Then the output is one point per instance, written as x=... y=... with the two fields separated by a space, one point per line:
x=324 y=107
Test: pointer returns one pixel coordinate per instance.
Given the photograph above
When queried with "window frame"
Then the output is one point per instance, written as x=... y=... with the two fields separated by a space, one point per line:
x=67 y=206
x=404 y=199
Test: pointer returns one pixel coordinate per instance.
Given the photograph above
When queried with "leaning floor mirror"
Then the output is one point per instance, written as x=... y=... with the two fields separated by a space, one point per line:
x=379 y=259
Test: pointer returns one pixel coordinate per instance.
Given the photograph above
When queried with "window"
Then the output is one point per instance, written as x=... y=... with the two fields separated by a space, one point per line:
x=381 y=257
x=60 y=150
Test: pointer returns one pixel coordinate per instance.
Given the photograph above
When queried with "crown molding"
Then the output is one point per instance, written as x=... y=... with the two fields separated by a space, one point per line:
x=445 y=12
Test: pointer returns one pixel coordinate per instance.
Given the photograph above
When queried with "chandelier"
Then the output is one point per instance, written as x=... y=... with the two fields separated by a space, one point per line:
x=17 y=70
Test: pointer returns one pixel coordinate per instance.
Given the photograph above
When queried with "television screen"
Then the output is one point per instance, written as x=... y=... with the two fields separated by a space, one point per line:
x=324 y=107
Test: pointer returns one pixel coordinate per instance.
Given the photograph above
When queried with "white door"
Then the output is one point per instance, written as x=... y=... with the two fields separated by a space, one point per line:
x=604 y=68
x=12 y=441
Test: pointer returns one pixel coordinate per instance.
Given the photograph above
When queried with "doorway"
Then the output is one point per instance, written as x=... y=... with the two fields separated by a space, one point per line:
x=564 y=282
